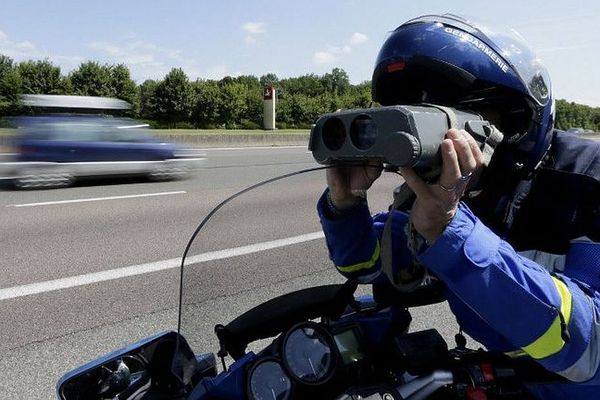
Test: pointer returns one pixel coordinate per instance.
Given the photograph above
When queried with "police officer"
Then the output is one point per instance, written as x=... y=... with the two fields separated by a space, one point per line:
x=516 y=242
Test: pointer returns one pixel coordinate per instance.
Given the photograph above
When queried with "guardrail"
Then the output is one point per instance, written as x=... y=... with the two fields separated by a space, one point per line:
x=212 y=139
x=240 y=139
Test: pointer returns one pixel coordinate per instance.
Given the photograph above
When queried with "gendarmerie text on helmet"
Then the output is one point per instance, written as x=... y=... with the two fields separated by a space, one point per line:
x=481 y=46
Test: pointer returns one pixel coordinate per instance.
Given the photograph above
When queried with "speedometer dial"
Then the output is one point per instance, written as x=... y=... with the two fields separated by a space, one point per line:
x=308 y=353
x=268 y=381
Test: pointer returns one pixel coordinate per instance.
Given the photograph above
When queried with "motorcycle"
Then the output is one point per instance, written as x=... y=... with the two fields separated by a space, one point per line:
x=283 y=324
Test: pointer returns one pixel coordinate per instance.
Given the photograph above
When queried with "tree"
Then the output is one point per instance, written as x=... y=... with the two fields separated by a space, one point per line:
x=148 y=108
x=10 y=86
x=251 y=82
x=40 y=77
x=360 y=96
x=309 y=85
x=572 y=115
x=207 y=104
x=6 y=64
x=174 y=97
x=122 y=86
x=269 y=79
x=304 y=109
x=253 y=116
x=10 y=90
x=66 y=85
x=92 y=79
x=336 y=82
x=233 y=104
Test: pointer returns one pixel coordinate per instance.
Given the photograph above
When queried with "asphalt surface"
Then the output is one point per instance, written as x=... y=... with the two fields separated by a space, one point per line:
x=88 y=269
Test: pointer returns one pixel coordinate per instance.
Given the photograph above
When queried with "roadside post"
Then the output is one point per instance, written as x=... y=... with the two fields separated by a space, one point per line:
x=269 y=100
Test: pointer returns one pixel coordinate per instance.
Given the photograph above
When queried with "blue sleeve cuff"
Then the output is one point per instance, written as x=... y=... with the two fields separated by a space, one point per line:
x=351 y=240
x=325 y=212
x=446 y=251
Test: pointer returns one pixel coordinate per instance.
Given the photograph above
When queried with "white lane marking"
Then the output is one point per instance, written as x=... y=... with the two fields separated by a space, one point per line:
x=129 y=196
x=118 y=273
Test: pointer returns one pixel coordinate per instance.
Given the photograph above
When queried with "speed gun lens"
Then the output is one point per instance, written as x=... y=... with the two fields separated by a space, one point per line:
x=363 y=132
x=334 y=134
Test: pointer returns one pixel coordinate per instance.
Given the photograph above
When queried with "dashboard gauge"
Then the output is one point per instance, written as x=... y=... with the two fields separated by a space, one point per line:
x=268 y=381
x=308 y=353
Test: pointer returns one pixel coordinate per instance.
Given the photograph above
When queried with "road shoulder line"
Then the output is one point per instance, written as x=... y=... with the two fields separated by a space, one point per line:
x=118 y=273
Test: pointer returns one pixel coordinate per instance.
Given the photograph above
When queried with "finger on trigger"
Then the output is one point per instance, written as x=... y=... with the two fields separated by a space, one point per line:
x=450 y=167
x=464 y=152
x=453 y=133
x=475 y=149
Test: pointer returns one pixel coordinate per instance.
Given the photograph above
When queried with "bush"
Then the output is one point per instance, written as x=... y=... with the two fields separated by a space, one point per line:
x=246 y=124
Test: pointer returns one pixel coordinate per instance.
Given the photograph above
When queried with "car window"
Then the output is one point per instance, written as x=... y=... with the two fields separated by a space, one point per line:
x=76 y=129
x=36 y=133
x=130 y=134
x=76 y=132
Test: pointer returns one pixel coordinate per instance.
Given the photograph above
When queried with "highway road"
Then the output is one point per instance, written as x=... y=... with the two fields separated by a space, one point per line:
x=88 y=269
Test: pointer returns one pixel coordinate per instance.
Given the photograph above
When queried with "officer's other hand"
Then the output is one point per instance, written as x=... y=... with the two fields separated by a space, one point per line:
x=346 y=182
x=435 y=206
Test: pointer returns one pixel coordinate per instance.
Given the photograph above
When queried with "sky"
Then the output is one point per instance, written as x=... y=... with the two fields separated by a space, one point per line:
x=211 y=39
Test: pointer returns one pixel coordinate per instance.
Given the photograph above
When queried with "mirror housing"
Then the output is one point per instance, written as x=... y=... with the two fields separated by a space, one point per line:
x=161 y=364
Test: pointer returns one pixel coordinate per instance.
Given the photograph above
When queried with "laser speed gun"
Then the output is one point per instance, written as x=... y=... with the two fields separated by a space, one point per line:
x=401 y=136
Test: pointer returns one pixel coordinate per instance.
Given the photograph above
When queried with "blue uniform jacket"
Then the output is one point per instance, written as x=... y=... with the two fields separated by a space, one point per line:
x=547 y=308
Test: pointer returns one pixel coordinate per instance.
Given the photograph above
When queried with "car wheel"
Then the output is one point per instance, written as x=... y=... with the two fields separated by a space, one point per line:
x=168 y=173
x=39 y=179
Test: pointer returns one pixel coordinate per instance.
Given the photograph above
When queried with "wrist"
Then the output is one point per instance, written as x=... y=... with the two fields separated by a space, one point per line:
x=416 y=242
x=432 y=231
x=431 y=236
x=431 y=228
x=337 y=210
x=343 y=202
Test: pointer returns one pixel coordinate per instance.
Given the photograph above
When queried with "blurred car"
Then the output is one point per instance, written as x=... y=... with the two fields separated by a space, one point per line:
x=54 y=150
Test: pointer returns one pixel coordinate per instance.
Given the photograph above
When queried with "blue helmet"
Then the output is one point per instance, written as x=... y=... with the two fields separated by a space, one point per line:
x=448 y=60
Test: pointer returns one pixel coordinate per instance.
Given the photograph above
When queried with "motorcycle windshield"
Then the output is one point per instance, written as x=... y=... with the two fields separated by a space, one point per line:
x=264 y=242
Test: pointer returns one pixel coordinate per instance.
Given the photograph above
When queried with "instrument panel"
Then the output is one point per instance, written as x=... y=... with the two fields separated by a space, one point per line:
x=305 y=357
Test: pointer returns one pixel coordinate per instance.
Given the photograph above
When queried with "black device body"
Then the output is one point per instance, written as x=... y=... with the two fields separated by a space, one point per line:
x=402 y=136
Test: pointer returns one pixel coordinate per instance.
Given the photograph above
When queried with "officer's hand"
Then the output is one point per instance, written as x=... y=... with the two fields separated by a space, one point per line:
x=345 y=182
x=436 y=204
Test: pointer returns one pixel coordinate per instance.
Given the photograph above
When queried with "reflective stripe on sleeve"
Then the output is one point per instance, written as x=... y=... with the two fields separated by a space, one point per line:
x=586 y=367
x=363 y=265
x=551 y=342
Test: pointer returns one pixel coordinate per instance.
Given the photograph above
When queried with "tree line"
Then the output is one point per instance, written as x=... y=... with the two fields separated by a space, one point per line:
x=232 y=102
